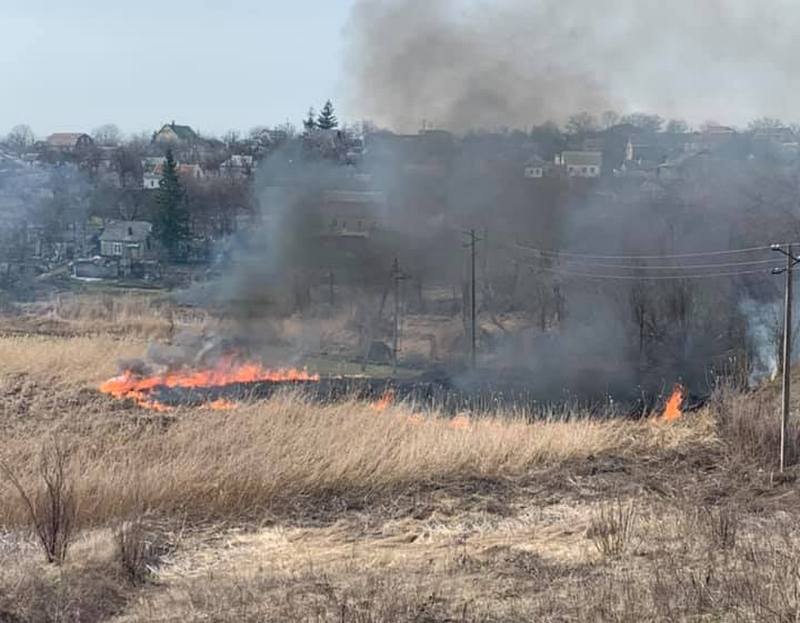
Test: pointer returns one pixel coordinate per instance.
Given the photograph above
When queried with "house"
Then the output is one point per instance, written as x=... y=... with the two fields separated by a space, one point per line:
x=535 y=168
x=150 y=163
x=237 y=166
x=127 y=240
x=173 y=133
x=581 y=163
x=151 y=181
x=193 y=171
x=69 y=141
x=151 y=178
x=349 y=213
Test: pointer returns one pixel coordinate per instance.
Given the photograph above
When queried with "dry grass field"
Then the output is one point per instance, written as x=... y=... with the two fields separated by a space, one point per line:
x=284 y=510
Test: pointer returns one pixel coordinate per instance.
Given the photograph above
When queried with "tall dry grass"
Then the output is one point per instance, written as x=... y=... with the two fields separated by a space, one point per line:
x=261 y=457
x=77 y=360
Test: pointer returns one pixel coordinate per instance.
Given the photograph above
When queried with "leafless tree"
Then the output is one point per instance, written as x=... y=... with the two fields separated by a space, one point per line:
x=581 y=123
x=677 y=126
x=645 y=121
x=609 y=118
x=20 y=138
x=107 y=135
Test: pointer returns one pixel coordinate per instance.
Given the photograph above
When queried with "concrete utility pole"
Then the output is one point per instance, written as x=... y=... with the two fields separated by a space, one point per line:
x=473 y=239
x=397 y=276
x=791 y=261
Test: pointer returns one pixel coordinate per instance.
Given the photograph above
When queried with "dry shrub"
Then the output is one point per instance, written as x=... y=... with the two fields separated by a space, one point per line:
x=82 y=594
x=51 y=510
x=140 y=547
x=612 y=527
x=750 y=424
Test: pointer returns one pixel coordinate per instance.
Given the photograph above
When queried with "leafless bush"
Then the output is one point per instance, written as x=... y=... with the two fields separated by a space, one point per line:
x=612 y=527
x=140 y=547
x=80 y=593
x=51 y=510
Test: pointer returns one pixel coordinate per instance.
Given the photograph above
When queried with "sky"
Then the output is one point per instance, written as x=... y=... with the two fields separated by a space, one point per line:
x=73 y=66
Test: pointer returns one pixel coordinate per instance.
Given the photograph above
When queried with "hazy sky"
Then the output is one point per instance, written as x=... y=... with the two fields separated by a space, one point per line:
x=77 y=64
x=74 y=65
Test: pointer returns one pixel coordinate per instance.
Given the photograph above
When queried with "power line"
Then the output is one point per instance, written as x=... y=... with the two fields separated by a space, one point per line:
x=648 y=277
x=674 y=267
x=554 y=253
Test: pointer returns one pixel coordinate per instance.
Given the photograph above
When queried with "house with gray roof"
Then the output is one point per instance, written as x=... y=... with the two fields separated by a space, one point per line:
x=581 y=163
x=127 y=240
x=174 y=133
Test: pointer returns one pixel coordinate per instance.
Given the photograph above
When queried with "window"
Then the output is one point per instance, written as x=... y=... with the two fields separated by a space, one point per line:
x=585 y=170
x=116 y=248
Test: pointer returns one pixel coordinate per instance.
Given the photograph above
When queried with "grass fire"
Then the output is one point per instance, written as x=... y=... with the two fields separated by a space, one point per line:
x=451 y=311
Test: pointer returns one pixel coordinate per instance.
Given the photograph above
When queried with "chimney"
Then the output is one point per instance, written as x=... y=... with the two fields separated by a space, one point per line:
x=130 y=231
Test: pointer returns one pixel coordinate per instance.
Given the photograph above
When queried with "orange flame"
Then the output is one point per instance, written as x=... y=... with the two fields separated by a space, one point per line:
x=384 y=402
x=672 y=410
x=226 y=371
x=222 y=404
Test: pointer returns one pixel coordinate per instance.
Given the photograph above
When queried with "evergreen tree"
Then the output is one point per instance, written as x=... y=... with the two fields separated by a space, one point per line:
x=172 y=217
x=327 y=119
x=310 y=123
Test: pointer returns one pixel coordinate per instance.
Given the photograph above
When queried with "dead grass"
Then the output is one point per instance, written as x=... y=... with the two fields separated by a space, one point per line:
x=74 y=360
x=308 y=512
x=249 y=461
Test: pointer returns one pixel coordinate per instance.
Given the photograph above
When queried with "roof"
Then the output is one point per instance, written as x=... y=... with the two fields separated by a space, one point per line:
x=65 y=139
x=354 y=196
x=126 y=231
x=183 y=132
x=583 y=158
x=535 y=161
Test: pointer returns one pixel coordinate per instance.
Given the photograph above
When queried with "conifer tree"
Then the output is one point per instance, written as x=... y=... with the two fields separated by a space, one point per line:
x=327 y=119
x=310 y=123
x=172 y=217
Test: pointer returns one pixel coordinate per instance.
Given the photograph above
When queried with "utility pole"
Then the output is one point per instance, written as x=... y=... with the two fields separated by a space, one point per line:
x=791 y=261
x=331 y=294
x=473 y=239
x=397 y=276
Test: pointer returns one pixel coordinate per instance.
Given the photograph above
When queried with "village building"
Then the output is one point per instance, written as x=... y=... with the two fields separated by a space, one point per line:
x=581 y=163
x=69 y=141
x=127 y=240
x=174 y=133
x=349 y=213
x=150 y=181
x=238 y=166
x=535 y=168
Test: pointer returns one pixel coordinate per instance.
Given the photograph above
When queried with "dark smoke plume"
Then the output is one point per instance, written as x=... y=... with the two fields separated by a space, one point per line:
x=513 y=63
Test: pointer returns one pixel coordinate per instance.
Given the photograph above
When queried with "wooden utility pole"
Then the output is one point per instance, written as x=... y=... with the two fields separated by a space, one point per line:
x=791 y=260
x=473 y=239
x=397 y=277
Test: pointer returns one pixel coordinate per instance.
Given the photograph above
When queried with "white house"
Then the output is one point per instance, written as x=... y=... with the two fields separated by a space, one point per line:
x=150 y=181
x=534 y=168
x=581 y=163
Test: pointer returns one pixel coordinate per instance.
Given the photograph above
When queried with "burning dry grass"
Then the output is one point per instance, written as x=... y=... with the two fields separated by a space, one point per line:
x=260 y=458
